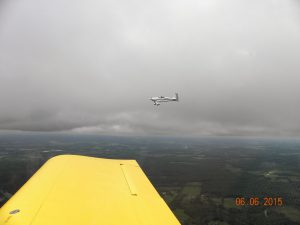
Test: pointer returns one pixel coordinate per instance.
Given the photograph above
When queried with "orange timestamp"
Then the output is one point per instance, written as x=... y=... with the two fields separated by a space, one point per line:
x=256 y=201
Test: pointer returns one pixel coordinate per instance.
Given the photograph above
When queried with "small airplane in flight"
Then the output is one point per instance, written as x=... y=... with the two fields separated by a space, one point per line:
x=158 y=100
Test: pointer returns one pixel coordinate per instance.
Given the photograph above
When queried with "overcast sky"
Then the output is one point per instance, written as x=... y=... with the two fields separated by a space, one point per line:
x=90 y=66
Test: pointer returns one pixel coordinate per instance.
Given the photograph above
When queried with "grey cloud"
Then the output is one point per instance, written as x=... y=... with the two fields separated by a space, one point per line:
x=89 y=67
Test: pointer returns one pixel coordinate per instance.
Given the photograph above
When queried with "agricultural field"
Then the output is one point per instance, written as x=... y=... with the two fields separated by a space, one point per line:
x=200 y=179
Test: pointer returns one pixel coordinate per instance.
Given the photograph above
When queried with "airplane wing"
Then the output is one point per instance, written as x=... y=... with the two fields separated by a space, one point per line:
x=79 y=190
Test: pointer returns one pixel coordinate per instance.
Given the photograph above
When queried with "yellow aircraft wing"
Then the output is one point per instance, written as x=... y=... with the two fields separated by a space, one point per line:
x=79 y=190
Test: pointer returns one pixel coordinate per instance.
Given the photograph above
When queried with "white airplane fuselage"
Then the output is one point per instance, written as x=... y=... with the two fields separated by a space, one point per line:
x=160 y=99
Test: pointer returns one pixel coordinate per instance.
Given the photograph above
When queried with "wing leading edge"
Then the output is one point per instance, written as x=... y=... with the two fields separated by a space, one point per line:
x=76 y=190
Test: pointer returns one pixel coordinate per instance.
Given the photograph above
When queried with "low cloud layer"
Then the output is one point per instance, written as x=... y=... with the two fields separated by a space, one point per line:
x=90 y=66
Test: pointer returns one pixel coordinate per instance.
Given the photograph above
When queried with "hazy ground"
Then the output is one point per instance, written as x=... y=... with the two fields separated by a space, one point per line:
x=198 y=178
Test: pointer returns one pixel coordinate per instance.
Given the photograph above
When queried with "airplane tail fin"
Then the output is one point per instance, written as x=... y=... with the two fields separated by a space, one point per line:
x=177 y=98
